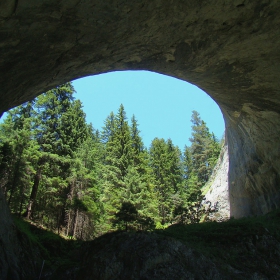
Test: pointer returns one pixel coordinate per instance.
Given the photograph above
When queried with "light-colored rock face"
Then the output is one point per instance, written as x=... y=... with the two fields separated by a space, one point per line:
x=218 y=192
x=229 y=49
x=254 y=183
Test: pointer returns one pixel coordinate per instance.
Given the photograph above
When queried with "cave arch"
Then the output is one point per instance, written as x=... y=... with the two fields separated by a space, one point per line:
x=230 y=50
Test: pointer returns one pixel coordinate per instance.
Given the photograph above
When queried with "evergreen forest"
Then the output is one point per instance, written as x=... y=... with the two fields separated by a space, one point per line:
x=62 y=174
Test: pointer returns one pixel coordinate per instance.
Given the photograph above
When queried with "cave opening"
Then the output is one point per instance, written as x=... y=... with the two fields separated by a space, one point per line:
x=230 y=51
x=162 y=104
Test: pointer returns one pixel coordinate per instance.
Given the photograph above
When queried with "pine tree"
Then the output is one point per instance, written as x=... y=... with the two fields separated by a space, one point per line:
x=73 y=178
x=127 y=177
x=72 y=128
x=117 y=160
x=204 y=149
x=126 y=215
x=83 y=206
x=199 y=161
x=109 y=128
x=139 y=179
x=60 y=129
x=166 y=165
x=16 y=146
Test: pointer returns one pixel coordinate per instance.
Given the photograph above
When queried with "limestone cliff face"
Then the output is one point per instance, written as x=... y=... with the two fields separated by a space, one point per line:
x=254 y=160
x=230 y=49
x=218 y=191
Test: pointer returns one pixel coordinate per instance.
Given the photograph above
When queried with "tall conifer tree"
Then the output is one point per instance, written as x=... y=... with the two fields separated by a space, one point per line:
x=166 y=165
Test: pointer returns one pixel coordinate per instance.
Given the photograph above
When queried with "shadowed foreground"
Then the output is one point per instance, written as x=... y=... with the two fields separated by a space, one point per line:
x=238 y=249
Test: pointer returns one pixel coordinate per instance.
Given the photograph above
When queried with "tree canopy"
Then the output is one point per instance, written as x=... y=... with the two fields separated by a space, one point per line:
x=63 y=174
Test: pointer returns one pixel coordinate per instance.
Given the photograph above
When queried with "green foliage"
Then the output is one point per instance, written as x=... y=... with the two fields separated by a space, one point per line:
x=129 y=218
x=204 y=151
x=127 y=214
x=223 y=241
x=55 y=251
x=126 y=176
x=24 y=227
x=249 y=239
x=61 y=173
x=167 y=171
x=198 y=163
x=18 y=151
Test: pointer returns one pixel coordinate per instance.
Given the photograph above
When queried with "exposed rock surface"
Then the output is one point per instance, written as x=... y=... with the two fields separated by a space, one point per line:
x=144 y=256
x=218 y=189
x=229 y=49
x=8 y=257
x=152 y=256
x=237 y=249
x=17 y=259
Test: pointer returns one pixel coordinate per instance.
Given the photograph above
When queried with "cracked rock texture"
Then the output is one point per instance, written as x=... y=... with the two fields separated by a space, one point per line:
x=230 y=49
x=218 y=189
x=145 y=256
x=151 y=256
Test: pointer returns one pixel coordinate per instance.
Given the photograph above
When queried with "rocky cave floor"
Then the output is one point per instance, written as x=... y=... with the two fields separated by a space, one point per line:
x=248 y=248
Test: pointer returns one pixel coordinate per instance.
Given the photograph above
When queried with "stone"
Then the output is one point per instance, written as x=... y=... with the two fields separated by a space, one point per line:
x=217 y=190
x=228 y=49
x=144 y=256
x=127 y=255
x=19 y=257
x=8 y=254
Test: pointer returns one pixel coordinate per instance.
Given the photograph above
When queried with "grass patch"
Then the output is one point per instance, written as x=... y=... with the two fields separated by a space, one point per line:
x=236 y=245
x=55 y=250
x=24 y=227
x=206 y=187
x=214 y=239
x=238 y=248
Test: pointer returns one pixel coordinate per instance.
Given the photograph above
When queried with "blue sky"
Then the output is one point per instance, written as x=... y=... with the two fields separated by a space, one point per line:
x=162 y=105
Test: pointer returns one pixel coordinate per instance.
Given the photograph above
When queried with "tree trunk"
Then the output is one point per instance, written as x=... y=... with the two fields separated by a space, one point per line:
x=21 y=204
x=76 y=222
x=68 y=222
x=16 y=173
x=15 y=180
x=82 y=227
x=70 y=197
x=58 y=222
x=29 y=211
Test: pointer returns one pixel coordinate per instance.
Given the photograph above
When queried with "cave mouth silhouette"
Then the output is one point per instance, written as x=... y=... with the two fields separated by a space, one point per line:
x=230 y=51
x=161 y=104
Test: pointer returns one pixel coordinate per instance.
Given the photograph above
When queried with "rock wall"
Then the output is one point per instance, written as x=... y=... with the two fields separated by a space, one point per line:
x=253 y=141
x=229 y=49
x=218 y=192
x=145 y=256
x=151 y=256
x=19 y=257
x=8 y=256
